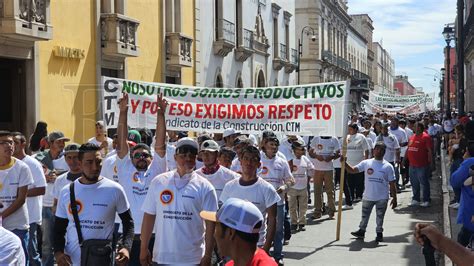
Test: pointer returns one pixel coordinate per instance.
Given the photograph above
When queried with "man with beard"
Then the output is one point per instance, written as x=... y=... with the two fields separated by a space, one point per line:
x=98 y=199
x=136 y=169
x=172 y=208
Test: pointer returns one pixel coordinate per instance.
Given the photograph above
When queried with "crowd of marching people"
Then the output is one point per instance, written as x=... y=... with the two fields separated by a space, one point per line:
x=155 y=196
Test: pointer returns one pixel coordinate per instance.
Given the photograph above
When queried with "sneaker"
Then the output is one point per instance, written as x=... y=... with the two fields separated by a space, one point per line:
x=454 y=205
x=414 y=203
x=347 y=207
x=452 y=202
x=331 y=215
x=403 y=187
x=356 y=200
x=317 y=215
x=379 y=237
x=359 y=234
x=425 y=204
x=286 y=242
x=301 y=227
x=294 y=228
x=279 y=262
x=309 y=200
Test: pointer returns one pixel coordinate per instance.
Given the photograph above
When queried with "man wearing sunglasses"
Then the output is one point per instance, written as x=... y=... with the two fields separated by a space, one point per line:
x=137 y=166
x=172 y=208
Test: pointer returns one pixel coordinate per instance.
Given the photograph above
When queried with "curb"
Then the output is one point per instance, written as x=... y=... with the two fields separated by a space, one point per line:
x=446 y=199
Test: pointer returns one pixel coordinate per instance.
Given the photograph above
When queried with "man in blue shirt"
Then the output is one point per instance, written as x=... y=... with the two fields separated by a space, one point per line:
x=466 y=207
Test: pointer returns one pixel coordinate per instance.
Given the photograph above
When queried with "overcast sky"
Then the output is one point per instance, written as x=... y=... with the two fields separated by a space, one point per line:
x=411 y=31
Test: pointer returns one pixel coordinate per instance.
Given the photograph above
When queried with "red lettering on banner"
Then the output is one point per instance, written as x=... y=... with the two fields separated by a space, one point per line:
x=327 y=112
x=298 y=110
x=281 y=112
x=260 y=112
x=307 y=112
x=199 y=110
x=171 y=108
x=188 y=109
x=209 y=108
x=238 y=113
x=135 y=104
x=272 y=111
x=146 y=105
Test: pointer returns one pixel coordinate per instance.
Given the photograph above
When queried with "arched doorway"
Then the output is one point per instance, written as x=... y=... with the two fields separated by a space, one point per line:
x=219 y=83
x=261 y=79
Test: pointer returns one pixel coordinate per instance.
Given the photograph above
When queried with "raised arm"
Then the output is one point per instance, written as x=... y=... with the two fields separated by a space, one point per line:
x=160 y=146
x=122 y=128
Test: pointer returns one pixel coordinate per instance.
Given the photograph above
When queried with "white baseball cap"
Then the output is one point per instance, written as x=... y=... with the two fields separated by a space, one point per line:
x=210 y=145
x=186 y=142
x=237 y=214
x=229 y=131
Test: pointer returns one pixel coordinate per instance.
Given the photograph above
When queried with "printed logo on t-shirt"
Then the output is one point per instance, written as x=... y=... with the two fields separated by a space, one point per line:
x=135 y=177
x=115 y=169
x=79 y=206
x=294 y=168
x=320 y=146
x=166 y=197
x=264 y=170
x=370 y=171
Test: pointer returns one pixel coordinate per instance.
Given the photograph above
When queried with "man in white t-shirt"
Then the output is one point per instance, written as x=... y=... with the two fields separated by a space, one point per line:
x=98 y=200
x=402 y=139
x=379 y=181
x=392 y=153
x=240 y=144
x=212 y=171
x=15 y=177
x=172 y=208
x=11 y=252
x=54 y=164
x=101 y=139
x=71 y=155
x=323 y=150
x=301 y=168
x=285 y=146
x=357 y=151
x=403 y=150
x=137 y=168
x=276 y=171
x=34 y=198
x=255 y=189
x=371 y=134
x=229 y=135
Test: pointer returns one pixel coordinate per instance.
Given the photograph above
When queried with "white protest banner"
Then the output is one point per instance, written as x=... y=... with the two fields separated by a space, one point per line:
x=383 y=99
x=411 y=109
x=310 y=109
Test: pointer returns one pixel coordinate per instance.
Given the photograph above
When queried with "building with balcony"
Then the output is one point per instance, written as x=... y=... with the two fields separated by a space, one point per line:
x=245 y=43
x=357 y=54
x=468 y=32
x=53 y=54
x=325 y=58
x=363 y=24
x=403 y=87
x=383 y=70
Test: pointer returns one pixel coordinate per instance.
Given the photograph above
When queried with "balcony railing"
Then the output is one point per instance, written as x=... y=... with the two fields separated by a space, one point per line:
x=226 y=31
x=294 y=56
x=337 y=61
x=225 y=37
x=245 y=50
x=248 y=39
x=26 y=20
x=283 y=53
x=119 y=35
x=178 y=50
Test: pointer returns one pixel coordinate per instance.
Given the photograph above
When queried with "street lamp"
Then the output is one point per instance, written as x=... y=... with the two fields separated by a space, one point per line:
x=441 y=88
x=300 y=46
x=449 y=35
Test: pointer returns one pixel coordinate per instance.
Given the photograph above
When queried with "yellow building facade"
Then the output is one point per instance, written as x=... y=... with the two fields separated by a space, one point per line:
x=53 y=54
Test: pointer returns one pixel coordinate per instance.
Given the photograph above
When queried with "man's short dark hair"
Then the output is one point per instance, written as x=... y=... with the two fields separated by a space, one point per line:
x=251 y=238
x=5 y=133
x=140 y=146
x=252 y=150
x=420 y=125
x=227 y=152
x=20 y=135
x=87 y=147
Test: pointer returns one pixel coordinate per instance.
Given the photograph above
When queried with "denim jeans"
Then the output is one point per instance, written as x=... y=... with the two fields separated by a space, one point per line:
x=380 y=209
x=279 y=233
x=464 y=236
x=48 y=234
x=454 y=166
x=24 y=237
x=33 y=252
x=418 y=176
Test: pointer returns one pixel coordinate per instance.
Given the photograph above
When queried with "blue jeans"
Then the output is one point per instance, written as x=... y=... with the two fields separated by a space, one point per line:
x=24 y=237
x=279 y=232
x=380 y=209
x=48 y=234
x=33 y=252
x=454 y=166
x=418 y=176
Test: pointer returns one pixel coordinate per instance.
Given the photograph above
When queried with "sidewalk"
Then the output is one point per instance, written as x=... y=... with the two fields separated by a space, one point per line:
x=317 y=246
